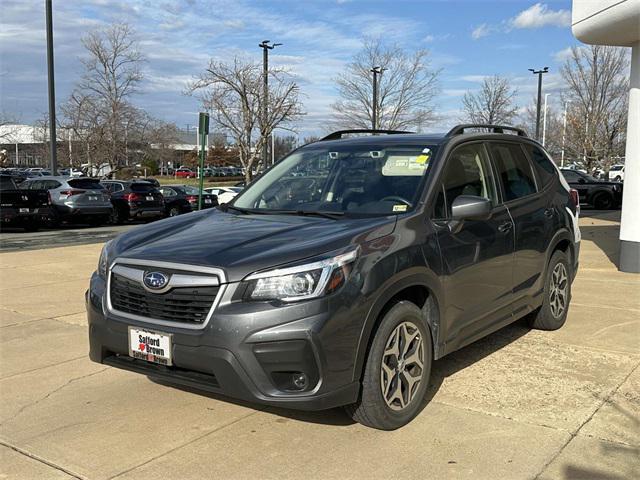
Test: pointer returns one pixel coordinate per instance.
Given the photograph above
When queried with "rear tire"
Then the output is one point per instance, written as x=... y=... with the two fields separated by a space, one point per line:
x=603 y=201
x=556 y=295
x=397 y=370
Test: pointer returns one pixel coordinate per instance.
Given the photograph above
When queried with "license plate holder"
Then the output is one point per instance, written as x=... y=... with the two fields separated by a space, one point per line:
x=149 y=198
x=93 y=198
x=24 y=210
x=150 y=346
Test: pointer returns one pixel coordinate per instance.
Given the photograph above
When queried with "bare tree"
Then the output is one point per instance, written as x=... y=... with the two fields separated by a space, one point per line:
x=492 y=104
x=99 y=111
x=232 y=93
x=597 y=86
x=407 y=88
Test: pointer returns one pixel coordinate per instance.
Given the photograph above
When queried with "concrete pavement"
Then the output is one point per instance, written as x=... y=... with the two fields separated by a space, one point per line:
x=519 y=404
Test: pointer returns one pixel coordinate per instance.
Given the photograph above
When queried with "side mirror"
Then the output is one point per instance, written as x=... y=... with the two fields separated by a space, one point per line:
x=468 y=207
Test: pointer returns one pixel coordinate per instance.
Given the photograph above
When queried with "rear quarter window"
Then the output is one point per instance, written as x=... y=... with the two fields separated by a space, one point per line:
x=544 y=166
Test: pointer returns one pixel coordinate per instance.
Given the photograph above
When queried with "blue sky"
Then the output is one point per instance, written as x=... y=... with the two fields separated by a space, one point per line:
x=467 y=40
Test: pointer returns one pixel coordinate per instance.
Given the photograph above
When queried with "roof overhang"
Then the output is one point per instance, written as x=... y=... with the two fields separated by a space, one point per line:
x=606 y=22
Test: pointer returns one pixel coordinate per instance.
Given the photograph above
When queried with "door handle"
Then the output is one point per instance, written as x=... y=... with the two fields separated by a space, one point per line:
x=505 y=227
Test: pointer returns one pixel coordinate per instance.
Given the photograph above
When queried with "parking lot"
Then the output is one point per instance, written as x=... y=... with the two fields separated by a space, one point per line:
x=517 y=404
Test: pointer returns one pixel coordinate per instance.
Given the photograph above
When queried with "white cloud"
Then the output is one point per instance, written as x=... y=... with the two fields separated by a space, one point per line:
x=539 y=15
x=561 y=55
x=428 y=39
x=481 y=31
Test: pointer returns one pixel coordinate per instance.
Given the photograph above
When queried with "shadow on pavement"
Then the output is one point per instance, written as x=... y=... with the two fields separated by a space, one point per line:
x=441 y=369
x=605 y=237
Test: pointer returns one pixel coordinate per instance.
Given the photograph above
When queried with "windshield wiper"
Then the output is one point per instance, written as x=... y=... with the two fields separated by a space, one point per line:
x=225 y=206
x=311 y=213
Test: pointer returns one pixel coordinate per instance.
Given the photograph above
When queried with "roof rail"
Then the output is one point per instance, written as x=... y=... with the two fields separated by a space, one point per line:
x=459 y=129
x=340 y=133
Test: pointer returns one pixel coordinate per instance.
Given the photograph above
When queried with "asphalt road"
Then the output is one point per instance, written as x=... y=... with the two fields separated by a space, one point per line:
x=16 y=239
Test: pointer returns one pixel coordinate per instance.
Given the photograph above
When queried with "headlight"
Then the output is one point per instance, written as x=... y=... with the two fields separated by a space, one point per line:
x=103 y=262
x=301 y=282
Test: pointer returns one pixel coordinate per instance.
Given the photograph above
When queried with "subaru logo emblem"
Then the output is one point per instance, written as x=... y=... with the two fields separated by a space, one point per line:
x=155 y=280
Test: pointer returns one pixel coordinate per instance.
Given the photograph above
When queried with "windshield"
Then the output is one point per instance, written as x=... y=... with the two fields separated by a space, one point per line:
x=351 y=179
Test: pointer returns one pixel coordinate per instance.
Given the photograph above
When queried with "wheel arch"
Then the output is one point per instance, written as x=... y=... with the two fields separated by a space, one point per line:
x=421 y=289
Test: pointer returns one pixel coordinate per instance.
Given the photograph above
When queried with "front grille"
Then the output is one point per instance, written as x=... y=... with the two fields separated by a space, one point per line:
x=180 y=304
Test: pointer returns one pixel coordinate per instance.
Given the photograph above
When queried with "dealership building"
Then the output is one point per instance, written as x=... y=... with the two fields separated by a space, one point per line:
x=617 y=23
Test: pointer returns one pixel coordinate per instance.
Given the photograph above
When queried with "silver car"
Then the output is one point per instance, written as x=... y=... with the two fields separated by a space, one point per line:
x=82 y=199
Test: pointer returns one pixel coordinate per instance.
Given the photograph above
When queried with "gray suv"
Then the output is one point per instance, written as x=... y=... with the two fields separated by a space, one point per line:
x=341 y=284
x=82 y=199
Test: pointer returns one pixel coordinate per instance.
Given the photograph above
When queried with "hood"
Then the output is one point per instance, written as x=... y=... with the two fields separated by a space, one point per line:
x=241 y=244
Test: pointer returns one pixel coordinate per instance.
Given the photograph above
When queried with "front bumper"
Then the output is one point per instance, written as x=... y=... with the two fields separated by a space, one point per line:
x=246 y=350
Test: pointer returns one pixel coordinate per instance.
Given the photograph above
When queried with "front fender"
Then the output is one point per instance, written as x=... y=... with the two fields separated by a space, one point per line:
x=412 y=277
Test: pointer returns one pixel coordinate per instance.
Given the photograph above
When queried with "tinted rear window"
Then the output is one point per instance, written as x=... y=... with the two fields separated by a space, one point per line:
x=85 y=184
x=6 y=183
x=142 y=187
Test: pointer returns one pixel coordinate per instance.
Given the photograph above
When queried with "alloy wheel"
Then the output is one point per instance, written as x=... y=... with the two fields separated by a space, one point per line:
x=558 y=290
x=402 y=366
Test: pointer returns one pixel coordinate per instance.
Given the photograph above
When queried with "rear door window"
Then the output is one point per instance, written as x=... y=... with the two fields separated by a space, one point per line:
x=514 y=170
x=85 y=184
x=544 y=165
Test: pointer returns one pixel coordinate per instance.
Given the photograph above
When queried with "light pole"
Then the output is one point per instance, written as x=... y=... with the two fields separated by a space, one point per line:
x=564 y=133
x=539 y=73
x=544 y=120
x=374 y=109
x=265 y=96
x=52 y=90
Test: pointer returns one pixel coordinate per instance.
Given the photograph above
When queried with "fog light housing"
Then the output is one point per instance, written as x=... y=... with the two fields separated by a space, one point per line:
x=300 y=380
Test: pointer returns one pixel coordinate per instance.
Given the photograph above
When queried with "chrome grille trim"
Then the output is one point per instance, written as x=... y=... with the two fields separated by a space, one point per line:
x=213 y=277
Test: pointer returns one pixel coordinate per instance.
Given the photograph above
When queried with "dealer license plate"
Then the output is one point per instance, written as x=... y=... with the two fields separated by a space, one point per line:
x=24 y=210
x=149 y=198
x=150 y=346
x=207 y=200
x=93 y=198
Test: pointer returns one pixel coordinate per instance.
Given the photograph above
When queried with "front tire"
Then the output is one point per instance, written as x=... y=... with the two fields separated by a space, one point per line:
x=397 y=370
x=557 y=294
x=174 y=212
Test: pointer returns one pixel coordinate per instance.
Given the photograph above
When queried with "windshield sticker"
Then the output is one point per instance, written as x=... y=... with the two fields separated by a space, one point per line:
x=424 y=157
x=400 y=208
x=404 y=166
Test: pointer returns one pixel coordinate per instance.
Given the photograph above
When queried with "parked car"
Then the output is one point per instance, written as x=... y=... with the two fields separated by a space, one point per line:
x=600 y=194
x=181 y=199
x=74 y=199
x=224 y=194
x=616 y=173
x=184 y=172
x=27 y=209
x=150 y=180
x=409 y=250
x=134 y=199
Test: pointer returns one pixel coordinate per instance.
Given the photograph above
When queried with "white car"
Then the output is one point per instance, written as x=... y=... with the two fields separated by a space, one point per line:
x=616 y=173
x=225 y=194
